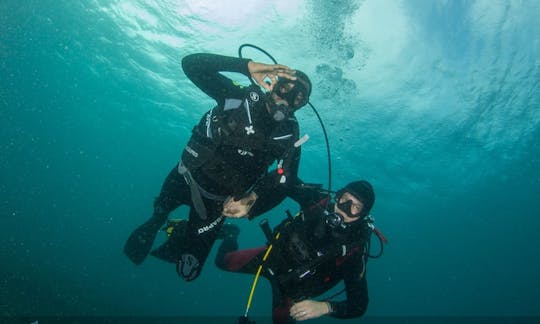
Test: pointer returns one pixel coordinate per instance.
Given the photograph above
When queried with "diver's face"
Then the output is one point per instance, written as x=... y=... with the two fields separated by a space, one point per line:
x=283 y=88
x=356 y=207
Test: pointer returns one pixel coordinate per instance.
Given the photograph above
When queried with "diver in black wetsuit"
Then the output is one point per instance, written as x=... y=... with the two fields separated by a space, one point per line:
x=315 y=250
x=223 y=168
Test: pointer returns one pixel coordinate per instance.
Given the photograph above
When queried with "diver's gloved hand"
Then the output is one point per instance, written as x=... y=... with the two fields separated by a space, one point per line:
x=239 y=208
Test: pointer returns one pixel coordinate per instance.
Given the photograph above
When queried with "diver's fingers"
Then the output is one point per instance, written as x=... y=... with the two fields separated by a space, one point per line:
x=230 y=212
x=301 y=315
x=289 y=74
x=280 y=70
x=234 y=213
x=236 y=209
x=295 y=308
x=256 y=67
x=282 y=67
x=265 y=84
x=273 y=81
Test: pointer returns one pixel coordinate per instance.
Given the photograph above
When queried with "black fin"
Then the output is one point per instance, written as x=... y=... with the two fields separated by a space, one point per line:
x=140 y=242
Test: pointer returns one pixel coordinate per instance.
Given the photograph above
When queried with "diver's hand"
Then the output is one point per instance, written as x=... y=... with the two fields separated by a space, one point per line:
x=260 y=71
x=239 y=208
x=308 y=309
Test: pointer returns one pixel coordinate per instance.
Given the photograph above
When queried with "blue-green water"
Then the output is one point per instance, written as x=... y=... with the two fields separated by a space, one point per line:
x=436 y=102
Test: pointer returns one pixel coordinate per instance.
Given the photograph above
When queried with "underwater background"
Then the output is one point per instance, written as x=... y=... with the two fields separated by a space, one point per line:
x=437 y=103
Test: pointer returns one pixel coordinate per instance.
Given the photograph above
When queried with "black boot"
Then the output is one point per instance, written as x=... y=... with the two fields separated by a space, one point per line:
x=170 y=250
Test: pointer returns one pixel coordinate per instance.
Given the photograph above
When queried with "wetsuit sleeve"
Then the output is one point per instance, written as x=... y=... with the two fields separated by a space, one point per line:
x=356 y=288
x=269 y=193
x=307 y=195
x=272 y=194
x=204 y=71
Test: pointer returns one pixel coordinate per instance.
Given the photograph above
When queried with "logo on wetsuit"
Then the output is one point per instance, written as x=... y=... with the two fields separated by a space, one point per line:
x=254 y=96
x=210 y=226
x=249 y=130
x=192 y=151
x=244 y=153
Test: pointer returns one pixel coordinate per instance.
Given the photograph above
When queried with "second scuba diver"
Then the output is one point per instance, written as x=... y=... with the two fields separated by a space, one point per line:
x=309 y=254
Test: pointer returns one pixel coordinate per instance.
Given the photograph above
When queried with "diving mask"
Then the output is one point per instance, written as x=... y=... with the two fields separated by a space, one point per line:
x=295 y=93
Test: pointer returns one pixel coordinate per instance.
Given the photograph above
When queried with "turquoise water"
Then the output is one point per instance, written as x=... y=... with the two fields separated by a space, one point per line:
x=437 y=103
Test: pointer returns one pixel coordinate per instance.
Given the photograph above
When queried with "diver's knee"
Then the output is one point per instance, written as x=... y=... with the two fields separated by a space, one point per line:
x=161 y=212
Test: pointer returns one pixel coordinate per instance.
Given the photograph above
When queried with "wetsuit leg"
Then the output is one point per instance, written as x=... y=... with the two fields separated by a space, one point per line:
x=174 y=192
x=230 y=259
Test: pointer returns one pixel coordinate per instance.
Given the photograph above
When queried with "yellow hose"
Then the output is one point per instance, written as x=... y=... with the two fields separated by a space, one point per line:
x=256 y=279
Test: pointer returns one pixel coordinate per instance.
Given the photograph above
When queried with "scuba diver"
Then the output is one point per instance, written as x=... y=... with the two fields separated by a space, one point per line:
x=309 y=254
x=223 y=171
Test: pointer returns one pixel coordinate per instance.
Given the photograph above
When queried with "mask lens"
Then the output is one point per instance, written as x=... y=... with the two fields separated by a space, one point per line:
x=300 y=100
x=300 y=94
x=282 y=88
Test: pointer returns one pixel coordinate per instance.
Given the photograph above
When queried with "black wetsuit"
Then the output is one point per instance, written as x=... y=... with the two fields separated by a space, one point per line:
x=228 y=154
x=304 y=262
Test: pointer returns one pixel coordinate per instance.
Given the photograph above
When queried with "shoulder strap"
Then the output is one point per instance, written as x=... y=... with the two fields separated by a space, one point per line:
x=238 y=113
